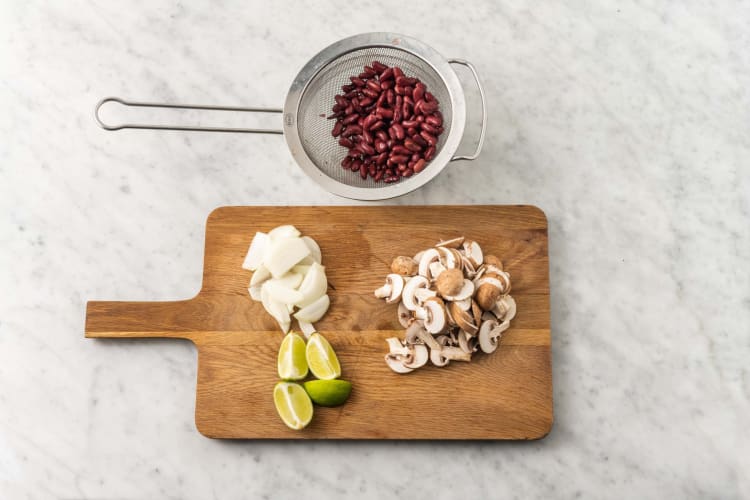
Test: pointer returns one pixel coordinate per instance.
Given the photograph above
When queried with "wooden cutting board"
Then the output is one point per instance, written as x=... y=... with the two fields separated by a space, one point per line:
x=505 y=395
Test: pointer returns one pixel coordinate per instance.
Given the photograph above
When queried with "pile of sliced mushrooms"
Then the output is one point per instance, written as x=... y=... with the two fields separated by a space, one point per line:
x=452 y=300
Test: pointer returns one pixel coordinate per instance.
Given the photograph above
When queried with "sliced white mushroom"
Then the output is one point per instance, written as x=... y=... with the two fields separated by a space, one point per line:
x=452 y=243
x=467 y=290
x=395 y=347
x=437 y=358
x=464 y=319
x=314 y=311
x=448 y=259
x=404 y=315
x=488 y=291
x=283 y=254
x=505 y=308
x=314 y=248
x=412 y=332
x=397 y=364
x=468 y=267
x=489 y=334
x=436 y=317
x=428 y=257
x=436 y=268
x=408 y=294
x=256 y=252
x=417 y=358
x=418 y=256
x=473 y=252
x=455 y=354
x=464 y=304
x=422 y=294
x=281 y=232
x=463 y=341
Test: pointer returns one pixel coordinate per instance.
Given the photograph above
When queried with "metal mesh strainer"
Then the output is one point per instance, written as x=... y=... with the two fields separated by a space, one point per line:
x=311 y=96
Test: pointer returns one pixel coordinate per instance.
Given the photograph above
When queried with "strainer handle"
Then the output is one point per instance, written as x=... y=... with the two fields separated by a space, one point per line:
x=484 y=110
x=184 y=106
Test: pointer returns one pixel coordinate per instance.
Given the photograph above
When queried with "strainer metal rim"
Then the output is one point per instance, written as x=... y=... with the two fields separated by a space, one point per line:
x=363 y=41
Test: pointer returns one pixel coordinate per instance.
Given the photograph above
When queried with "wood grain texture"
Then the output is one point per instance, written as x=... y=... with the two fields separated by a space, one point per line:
x=505 y=395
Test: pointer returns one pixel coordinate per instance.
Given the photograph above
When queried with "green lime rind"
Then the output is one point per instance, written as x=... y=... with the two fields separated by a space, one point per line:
x=328 y=392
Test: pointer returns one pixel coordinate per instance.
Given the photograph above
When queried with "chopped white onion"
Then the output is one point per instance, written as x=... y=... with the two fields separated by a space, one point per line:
x=256 y=252
x=283 y=254
x=313 y=312
x=313 y=286
x=314 y=249
x=282 y=293
x=283 y=232
x=307 y=328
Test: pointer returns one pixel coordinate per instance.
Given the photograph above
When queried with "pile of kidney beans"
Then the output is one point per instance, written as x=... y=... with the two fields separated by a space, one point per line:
x=388 y=121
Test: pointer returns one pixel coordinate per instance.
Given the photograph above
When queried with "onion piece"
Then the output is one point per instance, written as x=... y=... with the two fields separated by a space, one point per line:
x=256 y=252
x=313 y=286
x=314 y=249
x=276 y=309
x=283 y=254
x=254 y=292
x=289 y=280
x=281 y=293
x=260 y=275
x=307 y=328
x=314 y=311
x=282 y=232
x=302 y=269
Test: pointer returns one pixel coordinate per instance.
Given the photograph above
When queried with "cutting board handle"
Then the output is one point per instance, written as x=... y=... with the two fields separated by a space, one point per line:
x=177 y=319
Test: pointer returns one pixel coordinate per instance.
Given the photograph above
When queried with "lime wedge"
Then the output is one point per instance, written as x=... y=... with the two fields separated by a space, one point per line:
x=293 y=404
x=328 y=392
x=292 y=364
x=321 y=359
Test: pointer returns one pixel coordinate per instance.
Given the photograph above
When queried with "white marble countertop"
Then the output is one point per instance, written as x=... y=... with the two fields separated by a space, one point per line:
x=627 y=123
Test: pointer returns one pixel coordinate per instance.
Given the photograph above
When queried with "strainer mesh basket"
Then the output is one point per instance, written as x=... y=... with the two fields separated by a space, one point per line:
x=315 y=105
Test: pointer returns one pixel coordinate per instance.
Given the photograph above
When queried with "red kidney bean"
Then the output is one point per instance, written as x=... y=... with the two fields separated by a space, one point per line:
x=419 y=118
x=407 y=98
x=381 y=146
x=340 y=100
x=419 y=90
x=388 y=84
x=429 y=128
x=373 y=85
x=405 y=81
x=356 y=163
x=366 y=148
x=367 y=137
x=378 y=66
x=398 y=149
x=434 y=120
x=399 y=158
x=419 y=166
x=397 y=72
x=337 y=128
x=384 y=113
x=382 y=135
x=348 y=87
x=399 y=90
x=387 y=74
x=407 y=173
x=411 y=131
x=412 y=146
x=428 y=97
x=399 y=130
x=410 y=123
x=401 y=167
x=440 y=130
x=381 y=159
x=377 y=125
x=411 y=163
x=347 y=143
x=429 y=153
x=371 y=170
x=363 y=172
x=368 y=121
x=391 y=97
x=337 y=108
x=352 y=130
x=419 y=140
x=378 y=175
x=358 y=82
x=366 y=101
x=349 y=109
x=388 y=172
x=372 y=70
x=350 y=119
x=393 y=178
x=418 y=106
x=431 y=140
x=370 y=93
x=429 y=107
x=346 y=162
x=397 y=116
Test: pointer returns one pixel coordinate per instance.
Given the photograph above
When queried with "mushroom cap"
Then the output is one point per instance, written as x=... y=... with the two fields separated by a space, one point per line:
x=490 y=333
x=405 y=266
x=493 y=261
x=467 y=290
x=409 y=291
x=476 y=311
x=505 y=308
x=419 y=357
x=450 y=282
x=488 y=292
x=436 y=316
x=397 y=285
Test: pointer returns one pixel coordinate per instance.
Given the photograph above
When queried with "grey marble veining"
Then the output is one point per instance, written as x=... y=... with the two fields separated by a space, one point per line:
x=626 y=122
